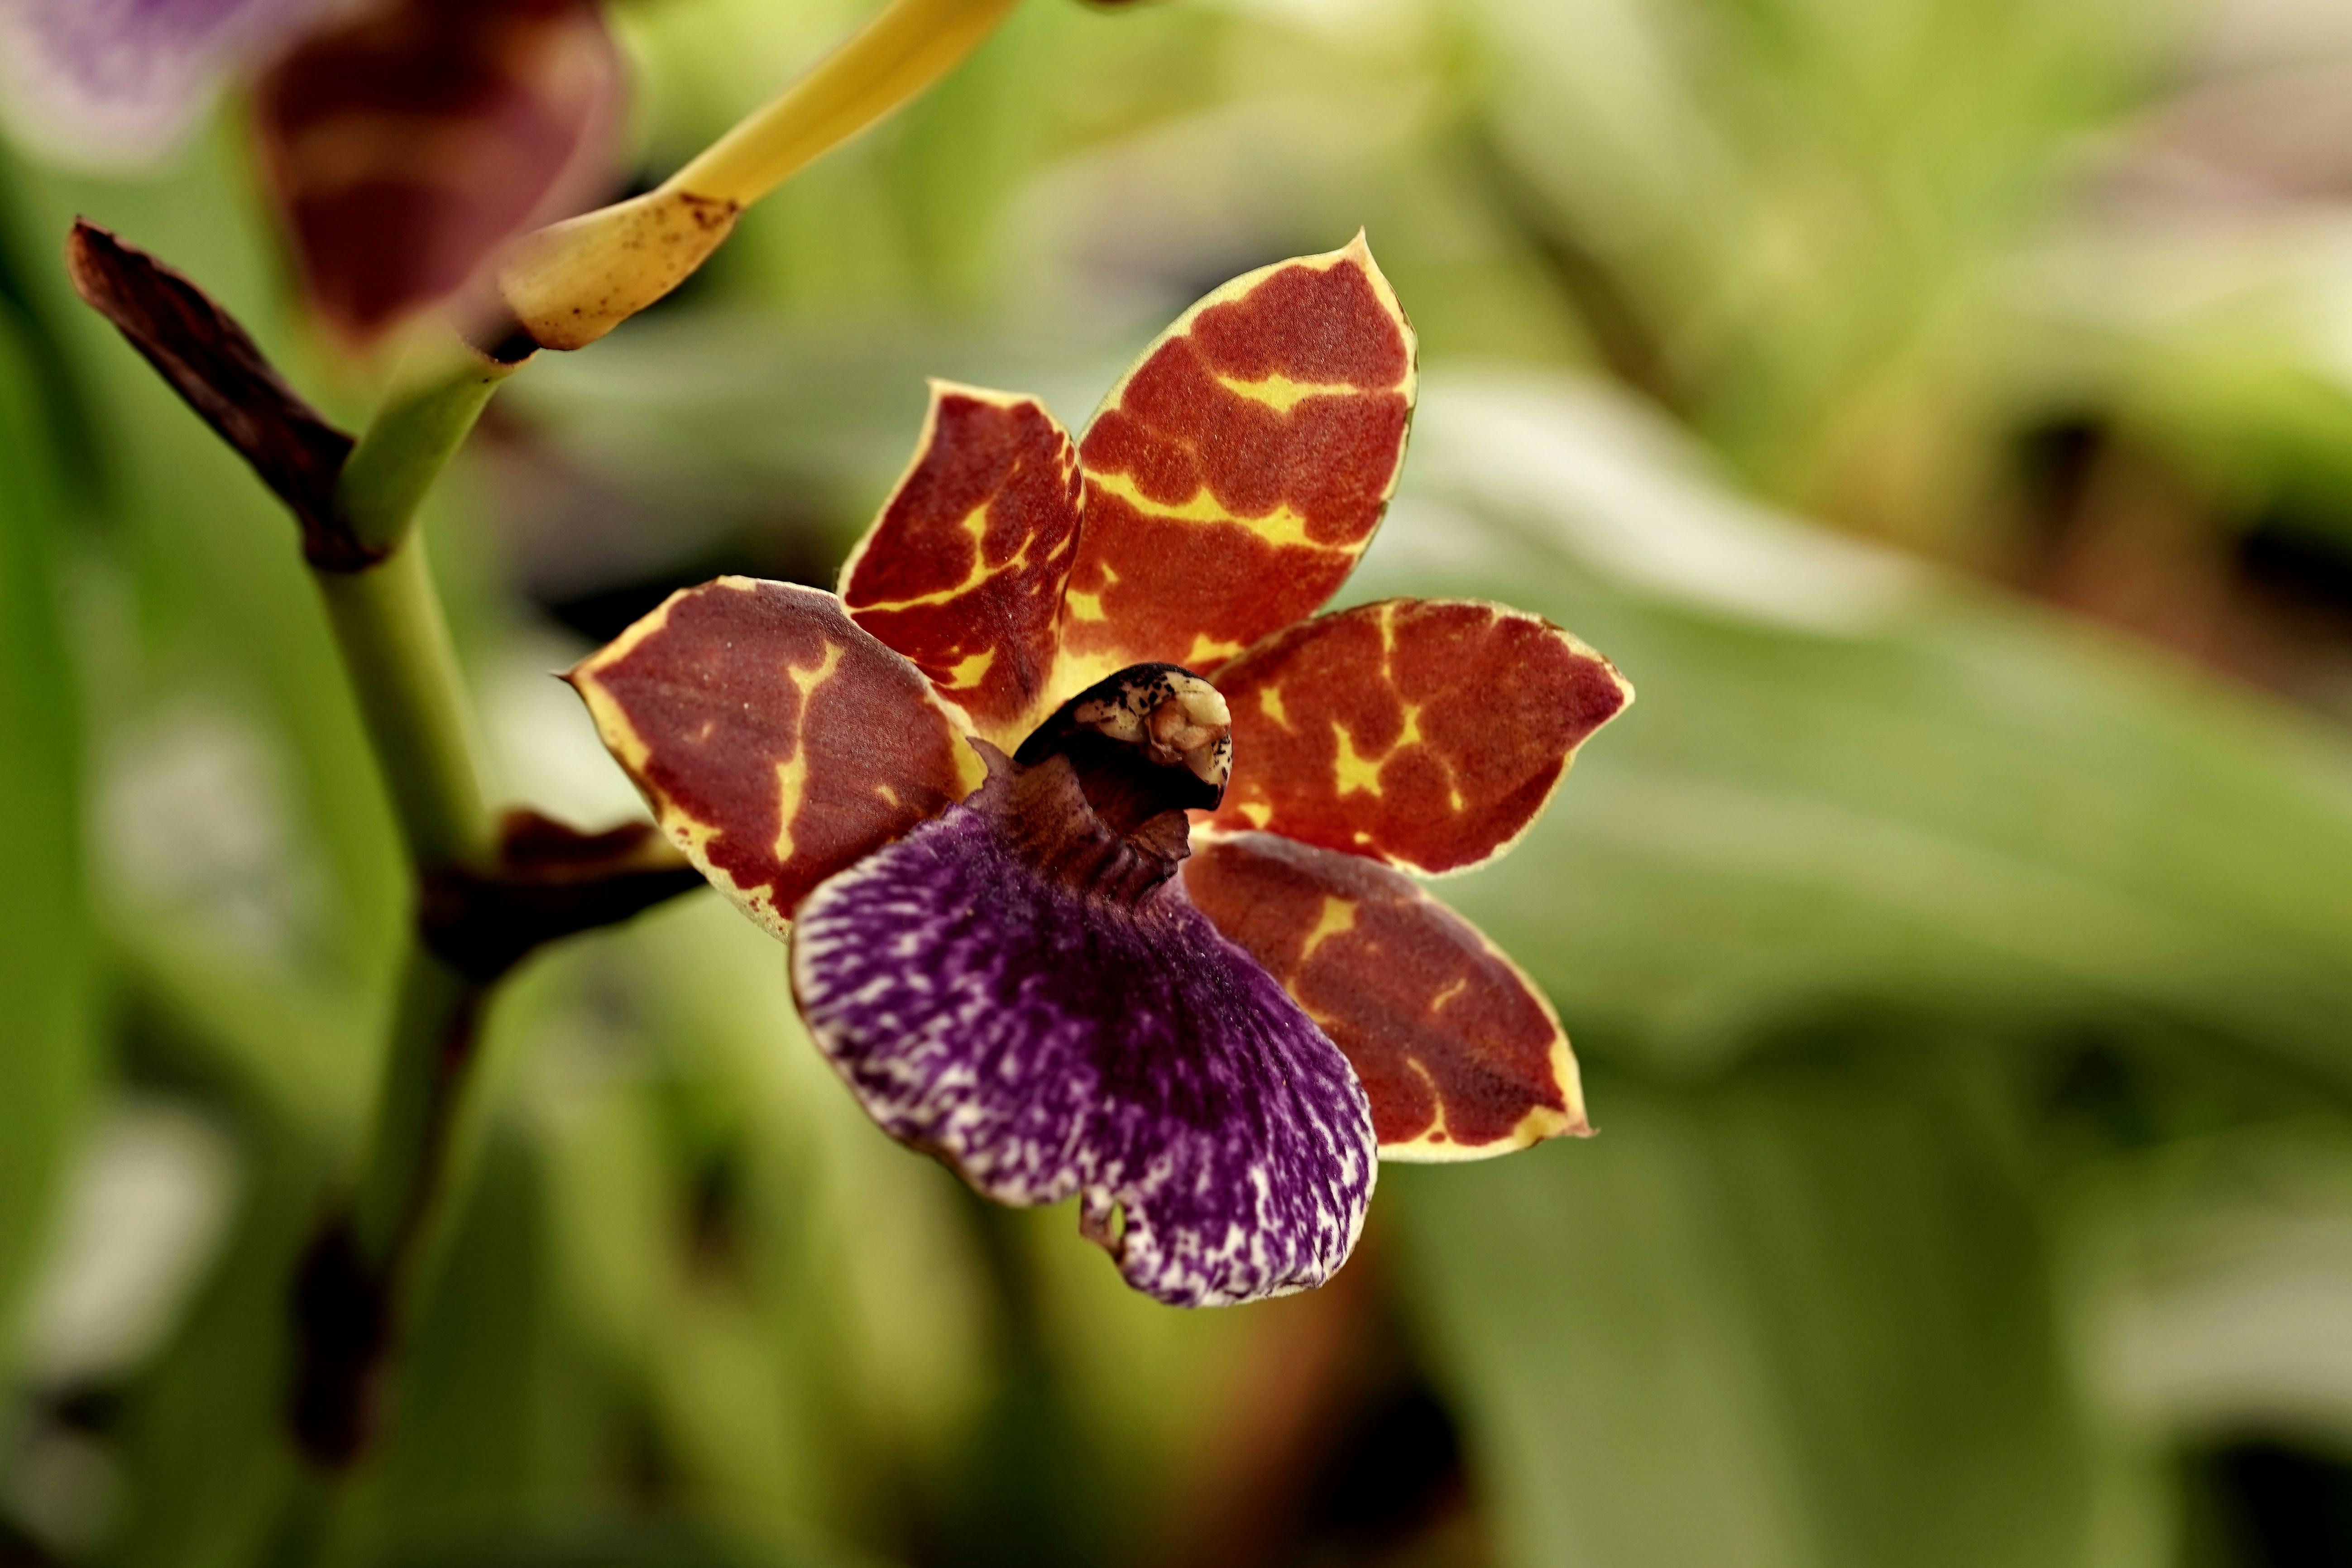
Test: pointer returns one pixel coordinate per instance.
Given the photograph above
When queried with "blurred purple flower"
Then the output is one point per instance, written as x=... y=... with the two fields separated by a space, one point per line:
x=403 y=141
x=114 y=83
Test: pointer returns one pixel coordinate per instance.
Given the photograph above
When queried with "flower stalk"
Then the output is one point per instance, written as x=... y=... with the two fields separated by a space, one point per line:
x=569 y=284
x=396 y=648
x=412 y=438
x=909 y=45
x=489 y=890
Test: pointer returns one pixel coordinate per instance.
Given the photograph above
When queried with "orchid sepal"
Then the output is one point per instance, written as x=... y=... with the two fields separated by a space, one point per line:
x=776 y=741
x=1459 y=1052
x=1428 y=734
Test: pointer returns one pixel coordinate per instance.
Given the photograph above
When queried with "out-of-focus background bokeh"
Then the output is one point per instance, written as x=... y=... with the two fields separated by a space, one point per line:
x=1941 y=409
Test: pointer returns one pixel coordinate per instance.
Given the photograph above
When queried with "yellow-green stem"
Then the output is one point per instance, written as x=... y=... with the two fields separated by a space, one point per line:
x=412 y=438
x=403 y=671
x=425 y=1072
x=909 y=45
x=403 y=666
x=569 y=284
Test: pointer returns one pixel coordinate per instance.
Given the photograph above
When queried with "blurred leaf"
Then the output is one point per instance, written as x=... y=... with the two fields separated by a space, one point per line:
x=1800 y=1317
x=47 y=948
x=615 y=1545
x=1956 y=804
x=494 y=1424
x=2217 y=1284
x=1808 y=203
x=786 y=1291
x=205 y=1466
x=304 y=1054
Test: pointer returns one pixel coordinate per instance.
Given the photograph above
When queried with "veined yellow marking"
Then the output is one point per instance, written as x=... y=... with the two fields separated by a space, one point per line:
x=1074 y=672
x=967 y=673
x=1207 y=650
x=1410 y=735
x=1269 y=703
x=1541 y=1122
x=1354 y=253
x=1338 y=915
x=1077 y=607
x=1282 y=394
x=1352 y=771
x=693 y=837
x=791 y=774
x=1449 y=994
x=975 y=523
x=889 y=796
x=612 y=723
x=1258 y=812
x=690 y=834
x=971 y=772
x=1280 y=526
x=1430 y=1143
x=792 y=783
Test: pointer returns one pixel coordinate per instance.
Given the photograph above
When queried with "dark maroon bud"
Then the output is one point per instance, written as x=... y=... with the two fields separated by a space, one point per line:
x=408 y=143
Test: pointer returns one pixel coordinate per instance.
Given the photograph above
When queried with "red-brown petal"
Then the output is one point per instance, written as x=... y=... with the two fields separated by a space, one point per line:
x=776 y=741
x=963 y=572
x=406 y=145
x=1428 y=733
x=1238 y=472
x=1461 y=1056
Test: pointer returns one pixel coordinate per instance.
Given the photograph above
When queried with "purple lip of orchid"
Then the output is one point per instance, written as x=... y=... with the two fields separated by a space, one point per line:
x=1162 y=957
x=1027 y=993
x=1022 y=987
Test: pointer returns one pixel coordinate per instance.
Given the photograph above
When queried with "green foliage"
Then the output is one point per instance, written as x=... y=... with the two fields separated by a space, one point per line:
x=1962 y=987
x=1948 y=804
x=48 y=969
x=1801 y=1316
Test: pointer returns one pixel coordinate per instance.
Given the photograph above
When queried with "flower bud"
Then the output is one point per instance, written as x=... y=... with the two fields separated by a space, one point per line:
x=406 y=145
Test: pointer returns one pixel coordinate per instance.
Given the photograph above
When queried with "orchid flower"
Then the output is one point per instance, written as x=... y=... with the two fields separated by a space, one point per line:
x=1080 y=919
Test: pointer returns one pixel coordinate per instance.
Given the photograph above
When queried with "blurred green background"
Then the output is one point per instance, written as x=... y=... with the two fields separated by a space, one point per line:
x=1941 y=409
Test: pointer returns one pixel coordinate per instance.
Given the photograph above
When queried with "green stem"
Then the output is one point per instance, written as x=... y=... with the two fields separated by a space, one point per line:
x=410 y=441
x=402 y=665
x=435 y=1026
x=403 y=671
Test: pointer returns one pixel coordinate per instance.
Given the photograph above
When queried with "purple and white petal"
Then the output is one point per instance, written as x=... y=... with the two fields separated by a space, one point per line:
x=113 y=83
x=1046 y=1038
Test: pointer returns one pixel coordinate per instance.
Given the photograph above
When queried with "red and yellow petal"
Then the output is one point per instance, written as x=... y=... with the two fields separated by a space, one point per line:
x=1427 y=734
x=963 y=572
x=1237 y=472
x=1461 y=1056
x=775 y=740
